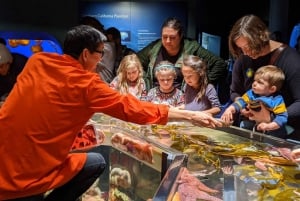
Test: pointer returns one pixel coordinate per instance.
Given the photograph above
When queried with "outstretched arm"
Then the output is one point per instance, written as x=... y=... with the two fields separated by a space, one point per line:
x=195 y=117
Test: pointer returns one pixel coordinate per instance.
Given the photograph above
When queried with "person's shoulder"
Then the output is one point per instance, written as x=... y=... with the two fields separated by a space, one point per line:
x=289 y=59
x=290 y=52
x=192 y=46
x=250 y=91
x=151 y=49
x=277 y=97
x=49 y=56
x=210 y=86
x=156 y=42
x=191 y=42
x=242 y=60
x=115 y=79
x=109 y=45
x=153 y=90
x=178 y=91
x=250 y=94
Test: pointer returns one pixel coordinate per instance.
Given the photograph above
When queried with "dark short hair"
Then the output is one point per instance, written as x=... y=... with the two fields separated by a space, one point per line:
x=174 y=23
x=81 y=37
x=2 y=41
x=114 y=32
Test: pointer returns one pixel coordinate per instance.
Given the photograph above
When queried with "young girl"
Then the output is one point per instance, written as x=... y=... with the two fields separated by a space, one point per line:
x=165 y=93
x=199 y=94
x=129 y=77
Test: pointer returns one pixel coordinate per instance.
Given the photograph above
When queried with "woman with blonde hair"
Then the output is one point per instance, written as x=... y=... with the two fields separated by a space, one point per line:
x=129 y=77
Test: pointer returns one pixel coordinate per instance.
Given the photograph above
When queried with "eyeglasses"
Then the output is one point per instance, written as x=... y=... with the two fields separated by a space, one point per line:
x=100 y=52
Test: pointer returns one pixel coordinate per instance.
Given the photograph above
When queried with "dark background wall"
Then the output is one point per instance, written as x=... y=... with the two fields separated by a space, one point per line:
x=212 y=16
x=54 y=17
x=217 y=17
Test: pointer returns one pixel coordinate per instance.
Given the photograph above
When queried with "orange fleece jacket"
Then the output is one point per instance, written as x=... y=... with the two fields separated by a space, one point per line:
x=52 y=100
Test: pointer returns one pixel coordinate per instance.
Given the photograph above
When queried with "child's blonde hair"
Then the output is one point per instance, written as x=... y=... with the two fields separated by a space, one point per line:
x=128 y=62
x=271 y=74
x=165 y=66
x=200 y=66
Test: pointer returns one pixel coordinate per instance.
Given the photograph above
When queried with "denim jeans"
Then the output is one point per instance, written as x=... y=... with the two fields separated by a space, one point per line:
x=71 y=191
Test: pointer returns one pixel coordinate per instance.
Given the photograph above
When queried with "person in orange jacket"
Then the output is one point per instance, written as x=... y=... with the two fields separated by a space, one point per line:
x=55 y=95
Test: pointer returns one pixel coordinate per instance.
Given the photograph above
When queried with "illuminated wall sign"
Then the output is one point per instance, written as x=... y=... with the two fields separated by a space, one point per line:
x=139 y=22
